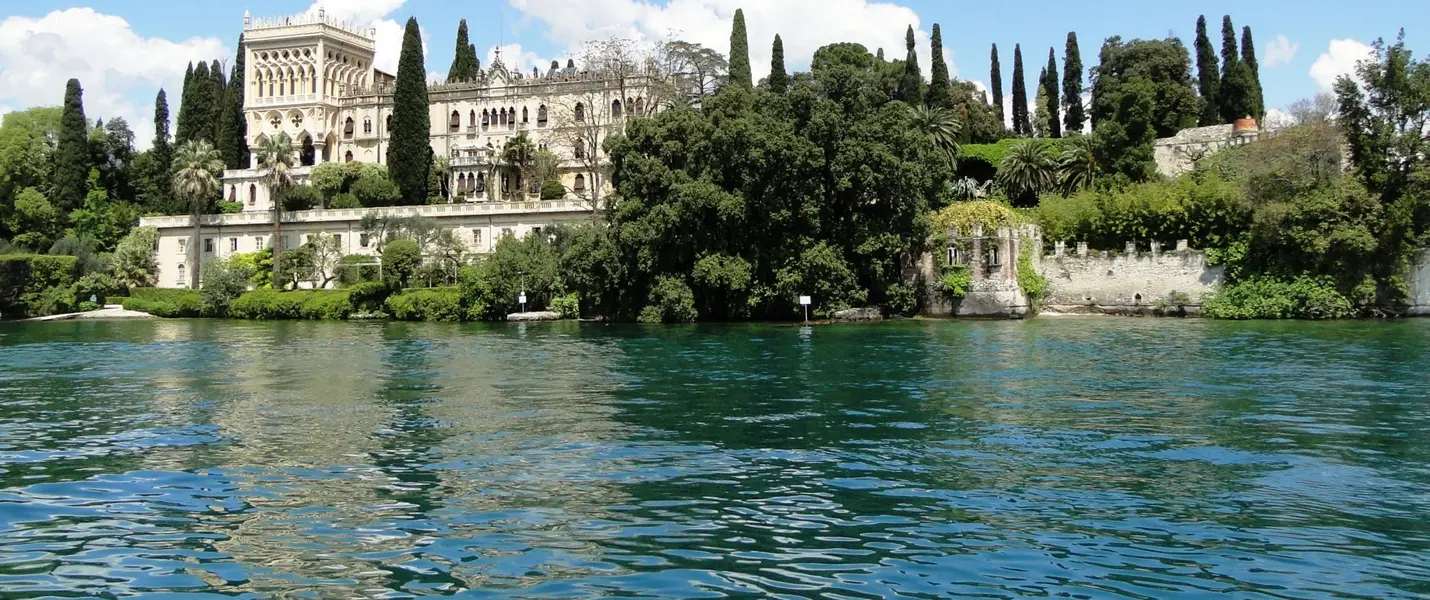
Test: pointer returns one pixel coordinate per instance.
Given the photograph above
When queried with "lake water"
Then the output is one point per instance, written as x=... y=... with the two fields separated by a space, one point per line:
x=1085 y=458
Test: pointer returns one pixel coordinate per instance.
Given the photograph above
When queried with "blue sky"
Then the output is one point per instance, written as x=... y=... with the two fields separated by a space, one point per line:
x=124 y=50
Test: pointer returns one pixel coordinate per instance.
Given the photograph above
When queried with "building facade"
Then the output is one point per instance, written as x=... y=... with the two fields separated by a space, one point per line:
x=312 y=78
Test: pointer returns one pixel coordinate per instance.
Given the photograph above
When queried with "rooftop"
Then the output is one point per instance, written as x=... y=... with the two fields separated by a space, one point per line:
x=319 y=18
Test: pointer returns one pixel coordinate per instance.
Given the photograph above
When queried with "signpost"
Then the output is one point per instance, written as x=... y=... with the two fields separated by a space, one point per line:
x=522 y=299
x=804 y=301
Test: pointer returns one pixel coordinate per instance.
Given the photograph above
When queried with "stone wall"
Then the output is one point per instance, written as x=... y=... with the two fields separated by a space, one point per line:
x=1129 y=282
x=1420 y=286
x=1178 y=154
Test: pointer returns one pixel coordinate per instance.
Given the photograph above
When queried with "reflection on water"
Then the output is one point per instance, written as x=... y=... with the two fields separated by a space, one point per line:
x=1081 y=458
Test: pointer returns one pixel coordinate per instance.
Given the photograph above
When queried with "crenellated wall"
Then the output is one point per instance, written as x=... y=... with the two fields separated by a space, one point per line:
x=1129 y=282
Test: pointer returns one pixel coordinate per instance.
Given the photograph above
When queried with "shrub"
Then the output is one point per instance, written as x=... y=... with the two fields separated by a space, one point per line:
x=569 y=306
x=400 y=259
x=957 y=279
x=228 y=208
x=302 y=197
x=224 y=280
x=368 y=296
x=344 y=200
x=168 y=303
x=901 y=299
x=98 y=285
x=1033 y=284
x=552 y=189
x=271 y=305
x=436 y=304
x=671 y=301
x=87 y=306
x=1272 y=298
x=25 y=281
x=134 y=263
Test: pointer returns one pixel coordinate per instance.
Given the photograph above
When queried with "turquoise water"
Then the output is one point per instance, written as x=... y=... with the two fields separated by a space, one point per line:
x=1084 y=458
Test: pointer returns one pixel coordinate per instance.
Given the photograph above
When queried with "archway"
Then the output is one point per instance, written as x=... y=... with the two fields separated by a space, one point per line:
x=307 y=153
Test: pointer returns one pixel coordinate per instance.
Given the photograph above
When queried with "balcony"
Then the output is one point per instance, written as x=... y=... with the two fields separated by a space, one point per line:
x=471 y=161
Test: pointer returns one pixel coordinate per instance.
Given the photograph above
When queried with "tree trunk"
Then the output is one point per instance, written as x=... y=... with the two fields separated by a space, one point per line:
x=197 y=257
x=277 y=239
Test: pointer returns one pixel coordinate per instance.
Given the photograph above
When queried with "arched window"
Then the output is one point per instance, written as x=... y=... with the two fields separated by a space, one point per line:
x=541 y=116
x=233 y=193
x=523 y=115
x=580 y=183
x=182 y=279
x=348 y=129
x=505 y=184
x=615 y=109
x=501 y=117
x=481 y=182
x=579 y=149
x=252 y=194
x=640 y=106
x=388 y=123
x=472 y=119
x=367 y=125
x=580 y=113
x=455 y=124
x=511 y=117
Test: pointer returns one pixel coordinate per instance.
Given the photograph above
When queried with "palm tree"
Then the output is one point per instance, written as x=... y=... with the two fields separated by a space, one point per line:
x=519 y=152
x=1030 y=168
x=275 y=160
x=195 y=164
x=941 y=127
x=1077 y=167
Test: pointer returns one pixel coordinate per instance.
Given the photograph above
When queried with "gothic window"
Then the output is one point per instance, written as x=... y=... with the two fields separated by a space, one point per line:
x=511 y=117
x=640 y=106
x=579 y=149
x=580 y=184
x=367 y=125
x=580 y=113
x=501 y=120
x=505 y=184
x=348 y=129
x=181 y=274
x=252 y=194
x=615 y=109
x=472 y=119
x=233 y=193
x=541 y=116
x=481 y=182
x=456 y=122
x=389 y=122
x=523 y=115
x=348 y=156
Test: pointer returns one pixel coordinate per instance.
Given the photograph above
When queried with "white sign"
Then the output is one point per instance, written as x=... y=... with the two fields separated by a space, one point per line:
x=522 y=298
x=804 y=301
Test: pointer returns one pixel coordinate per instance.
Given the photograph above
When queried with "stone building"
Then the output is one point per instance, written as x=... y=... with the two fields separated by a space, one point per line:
x=1179 y=154
x=992 y=260
x=312 y=78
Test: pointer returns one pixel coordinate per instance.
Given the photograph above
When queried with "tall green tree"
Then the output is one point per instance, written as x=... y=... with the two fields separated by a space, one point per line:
x=1208 y=77
x=1041 y=114
x=157 y=187
x=1123 y=140
x=779 y=77
x=232 y=141
x=196 y=112
x=1248 y=58
x=1165 y=64
x=938 y=93
x=1235 y=94
x=197 y=168
x=217 y=94
x=1054 y=98
x=1022 y=125
x=407 y=153
x=740 y=75
x=911 y=84
x=995 y=79
x=464 y=64
x=72 y=158
x=1074 y=115
x=183 y=122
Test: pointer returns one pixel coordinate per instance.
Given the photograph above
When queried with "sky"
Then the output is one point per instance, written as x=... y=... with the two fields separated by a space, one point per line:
x=123 y=51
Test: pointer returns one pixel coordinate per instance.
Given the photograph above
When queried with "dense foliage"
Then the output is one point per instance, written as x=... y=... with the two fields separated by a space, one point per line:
x=409 y=153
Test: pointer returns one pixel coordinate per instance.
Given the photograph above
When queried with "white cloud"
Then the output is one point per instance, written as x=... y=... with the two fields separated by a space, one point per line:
x=356 y=11
x=803 y=25
x=1339 y=59
x=1277 y=119
x=37 y=57
x=1280 y=51
x=369 y=14
x=517 y=58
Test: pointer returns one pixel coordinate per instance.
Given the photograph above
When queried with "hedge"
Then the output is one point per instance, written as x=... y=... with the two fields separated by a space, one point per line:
x=164 y=302
x=36 y=284
x=325 y=305
x=435 y=304
x=980 y=161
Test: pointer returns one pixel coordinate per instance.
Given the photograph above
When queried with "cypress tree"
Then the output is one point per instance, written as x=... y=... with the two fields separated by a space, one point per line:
x=779 y=78
x=200 y=115
x=407 y=153
x=1248 y=58
x=1074 y=116
x=1055 y=125
x=740 y=53
x=232 y=141
x=217 y=95
x=911 y=84
x=462 y=67
x=995 y=79
x=1021 y=123
x=162 y=155
x=184 y=124
x=938 y=71
x=72 y=153
x=1208 y=77
x=1234 y=95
